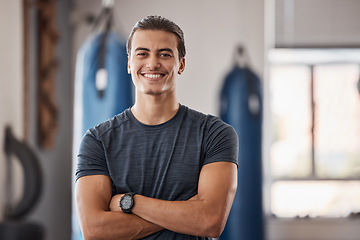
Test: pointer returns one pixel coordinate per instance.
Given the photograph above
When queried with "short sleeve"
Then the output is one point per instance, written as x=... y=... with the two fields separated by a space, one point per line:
x=221 y=142
x=91 y=157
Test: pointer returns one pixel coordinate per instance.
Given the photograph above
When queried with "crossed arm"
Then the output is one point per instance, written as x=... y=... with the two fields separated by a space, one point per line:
x=203 y=215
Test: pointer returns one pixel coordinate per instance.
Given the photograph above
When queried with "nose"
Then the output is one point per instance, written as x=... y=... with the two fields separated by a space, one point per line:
x=153 y=62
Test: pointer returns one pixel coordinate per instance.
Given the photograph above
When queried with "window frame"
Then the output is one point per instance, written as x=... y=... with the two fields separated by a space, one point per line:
x=302 y=57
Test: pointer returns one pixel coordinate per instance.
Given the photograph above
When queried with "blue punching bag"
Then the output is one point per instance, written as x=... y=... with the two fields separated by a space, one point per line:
x=241 y=107
x=106 y=85
x=103 y=89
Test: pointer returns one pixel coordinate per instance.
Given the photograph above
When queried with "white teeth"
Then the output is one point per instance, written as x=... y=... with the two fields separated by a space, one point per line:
x=152 y=75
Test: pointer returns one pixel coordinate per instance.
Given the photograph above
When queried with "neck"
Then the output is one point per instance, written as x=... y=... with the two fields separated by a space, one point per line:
x=155 y=110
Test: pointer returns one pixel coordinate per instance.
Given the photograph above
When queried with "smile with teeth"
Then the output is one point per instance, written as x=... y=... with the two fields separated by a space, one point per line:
x=149 y=75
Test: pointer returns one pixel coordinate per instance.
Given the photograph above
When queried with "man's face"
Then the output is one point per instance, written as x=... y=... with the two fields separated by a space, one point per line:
x=154 y=61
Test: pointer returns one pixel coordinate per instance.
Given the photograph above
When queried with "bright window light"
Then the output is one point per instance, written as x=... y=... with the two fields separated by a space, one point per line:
x=315 y=198
x=316 y=173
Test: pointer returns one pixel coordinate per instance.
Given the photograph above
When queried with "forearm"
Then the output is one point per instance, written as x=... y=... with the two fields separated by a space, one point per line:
x=192 y=217
x=116 y=225
x=203 y=215
x=93 y=194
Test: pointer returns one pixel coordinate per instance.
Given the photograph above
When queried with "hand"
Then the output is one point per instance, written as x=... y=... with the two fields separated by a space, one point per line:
x=115 y=203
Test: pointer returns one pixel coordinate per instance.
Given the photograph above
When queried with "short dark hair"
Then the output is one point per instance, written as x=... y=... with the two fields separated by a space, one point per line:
x=159 y=23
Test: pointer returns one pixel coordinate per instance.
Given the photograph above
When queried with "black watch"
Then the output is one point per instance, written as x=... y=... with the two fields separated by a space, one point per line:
x=127 y=202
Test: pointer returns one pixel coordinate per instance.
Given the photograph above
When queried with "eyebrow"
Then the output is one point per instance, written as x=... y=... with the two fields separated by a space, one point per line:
x=165 y=50
x=159 y=50
x=142 y=49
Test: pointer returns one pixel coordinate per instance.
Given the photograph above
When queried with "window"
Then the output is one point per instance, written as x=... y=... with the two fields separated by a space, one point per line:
x=315 y=119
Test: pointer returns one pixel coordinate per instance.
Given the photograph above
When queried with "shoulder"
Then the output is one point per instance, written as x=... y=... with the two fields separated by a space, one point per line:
x=219 y=139
x=217 y=127
x=109 y=125
x=211 y=124
x=194 y=115
x=197 y=116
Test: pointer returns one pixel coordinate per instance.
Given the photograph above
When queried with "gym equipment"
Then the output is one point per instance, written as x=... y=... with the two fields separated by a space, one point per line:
x=241 y=107
x=15 y=227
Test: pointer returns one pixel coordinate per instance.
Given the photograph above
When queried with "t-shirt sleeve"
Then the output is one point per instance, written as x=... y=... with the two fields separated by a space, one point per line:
x=91 y=157
x=221 y=142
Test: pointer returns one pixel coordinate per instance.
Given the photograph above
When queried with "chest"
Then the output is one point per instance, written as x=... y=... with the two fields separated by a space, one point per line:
x=159 y=164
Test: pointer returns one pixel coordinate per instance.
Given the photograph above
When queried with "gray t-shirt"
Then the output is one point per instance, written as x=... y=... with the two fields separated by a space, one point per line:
x=158 y=161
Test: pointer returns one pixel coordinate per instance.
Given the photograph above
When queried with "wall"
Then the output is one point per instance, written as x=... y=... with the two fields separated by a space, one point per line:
x=54 y=208
x=11 y=81
x=314 y=229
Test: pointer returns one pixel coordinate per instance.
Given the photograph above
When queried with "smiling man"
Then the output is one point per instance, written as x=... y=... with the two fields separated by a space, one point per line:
x=156 y=64
x=158 y=170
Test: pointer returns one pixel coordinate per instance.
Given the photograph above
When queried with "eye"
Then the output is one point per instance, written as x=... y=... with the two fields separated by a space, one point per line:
x=165 y=55
x=141 y=54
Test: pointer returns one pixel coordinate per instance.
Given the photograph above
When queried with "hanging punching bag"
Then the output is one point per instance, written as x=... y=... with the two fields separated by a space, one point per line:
x=241 y=107
x=103 y=89
x=101 y=71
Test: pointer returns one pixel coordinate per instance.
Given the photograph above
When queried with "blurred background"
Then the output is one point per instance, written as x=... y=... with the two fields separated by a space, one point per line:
x=306 y=55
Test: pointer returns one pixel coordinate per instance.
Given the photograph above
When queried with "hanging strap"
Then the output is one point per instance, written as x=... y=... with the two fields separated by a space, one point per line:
x=242 y=60
x=101 y=80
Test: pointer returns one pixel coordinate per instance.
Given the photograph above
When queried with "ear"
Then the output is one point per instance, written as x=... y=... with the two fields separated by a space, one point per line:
x=182 y=66
x=128 y=67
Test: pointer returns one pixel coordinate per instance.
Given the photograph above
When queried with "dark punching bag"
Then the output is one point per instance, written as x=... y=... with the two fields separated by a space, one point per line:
x=241 y=107
x=15 y=226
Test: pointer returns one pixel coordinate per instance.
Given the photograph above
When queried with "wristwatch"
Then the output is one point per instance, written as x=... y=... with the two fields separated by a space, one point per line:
x=127 y=202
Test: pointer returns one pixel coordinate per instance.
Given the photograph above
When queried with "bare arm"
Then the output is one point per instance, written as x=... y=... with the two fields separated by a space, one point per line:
x=203 y=215
x=93 y=195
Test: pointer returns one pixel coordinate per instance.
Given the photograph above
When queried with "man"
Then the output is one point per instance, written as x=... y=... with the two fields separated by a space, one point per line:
x=159 y=170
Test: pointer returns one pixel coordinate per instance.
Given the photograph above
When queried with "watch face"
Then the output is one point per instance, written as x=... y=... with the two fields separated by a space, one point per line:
x=126 y=202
